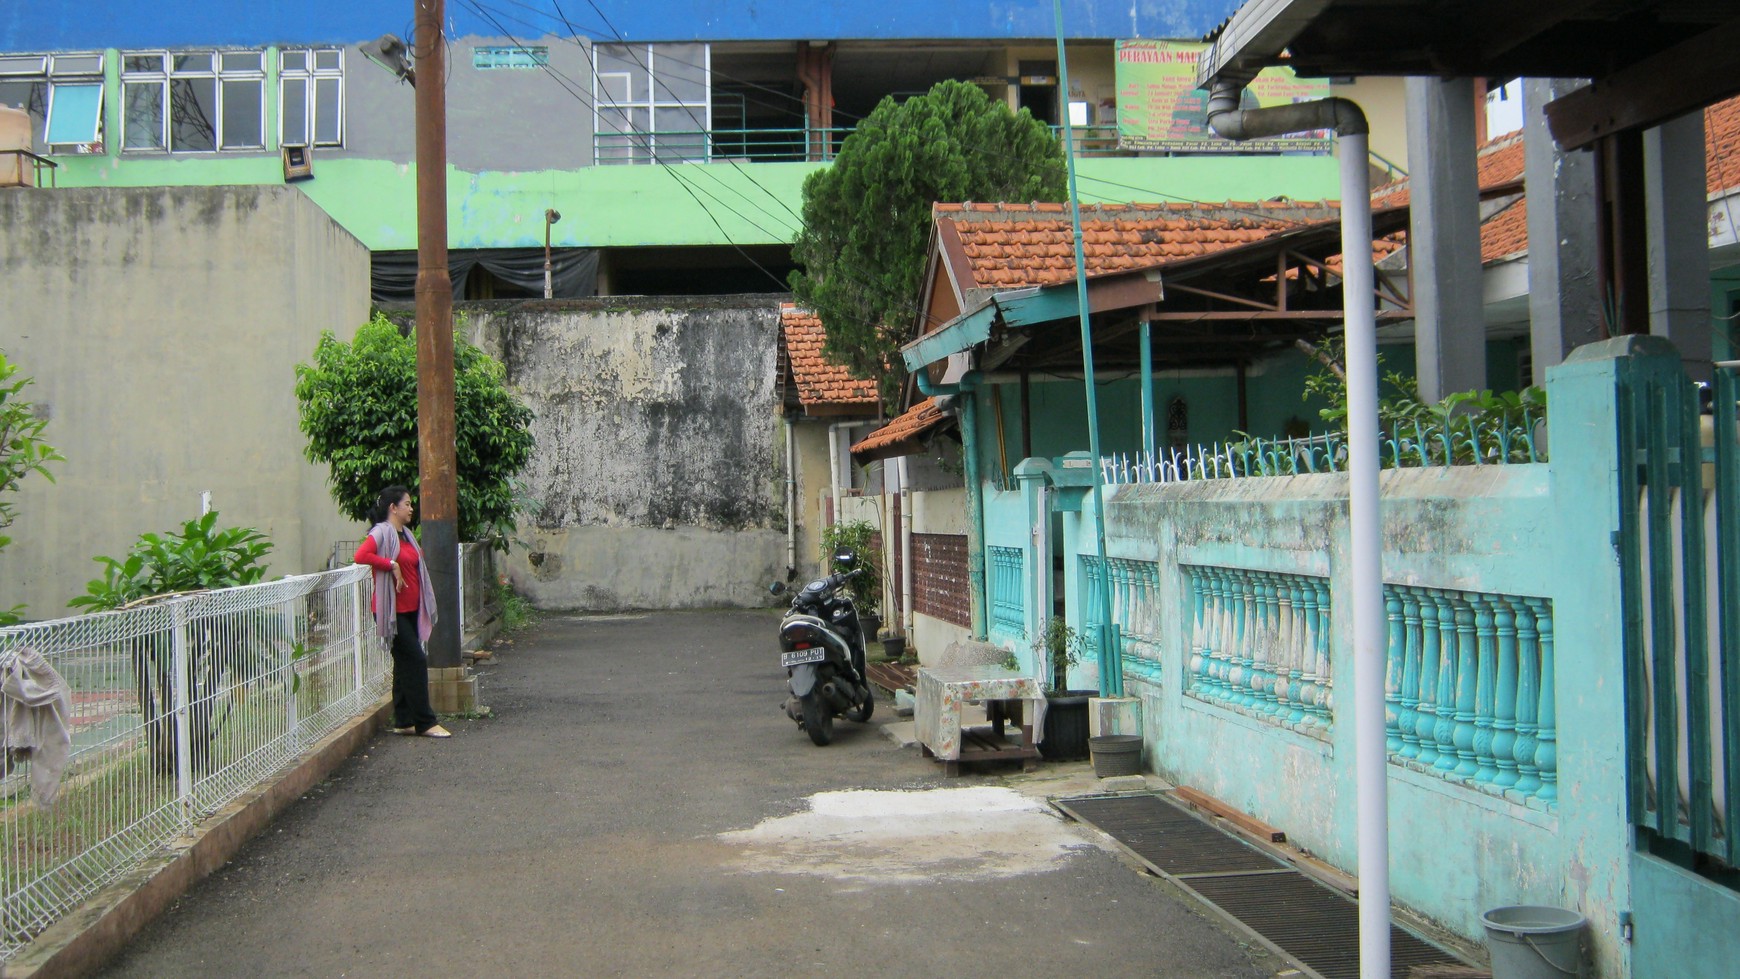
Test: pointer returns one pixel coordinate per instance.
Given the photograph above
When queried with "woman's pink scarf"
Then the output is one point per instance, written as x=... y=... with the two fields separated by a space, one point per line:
x=386 y=618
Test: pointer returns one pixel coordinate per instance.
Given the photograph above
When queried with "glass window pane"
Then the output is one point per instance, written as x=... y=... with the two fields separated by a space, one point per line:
x=192 y=114
x=293 y=60
x=241 y=60
x=74 y=112
x=293 y=111
x=142 y=62
x=682 y=72
x=328 y=113
x=244 y=114
x=678 y=137
x=613 y=88
x=34 y=64
x=78 y=64
x=193 y=62
x=329 y=60
x=142 y=122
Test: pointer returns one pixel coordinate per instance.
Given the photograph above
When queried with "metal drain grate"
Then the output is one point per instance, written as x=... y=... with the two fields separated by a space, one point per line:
x=1314 y=926
x=1172 y=840
x=1310 y=922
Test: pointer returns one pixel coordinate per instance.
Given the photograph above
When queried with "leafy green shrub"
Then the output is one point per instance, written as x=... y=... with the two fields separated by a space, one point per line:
x=22 y=451
x=1062 y=646
x=866 y=588
x=199 y=557
x=358 y=404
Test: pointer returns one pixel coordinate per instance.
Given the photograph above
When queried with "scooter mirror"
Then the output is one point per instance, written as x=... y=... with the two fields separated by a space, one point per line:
x=777 y=588
x=845 y=559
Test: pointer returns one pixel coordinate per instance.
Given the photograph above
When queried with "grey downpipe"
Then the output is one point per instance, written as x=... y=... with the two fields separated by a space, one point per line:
x=1226 y=119
x=1364 y=500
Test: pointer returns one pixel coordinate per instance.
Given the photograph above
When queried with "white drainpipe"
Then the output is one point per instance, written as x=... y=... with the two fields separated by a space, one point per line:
x=834 y=463
x=790 y=501
x=905 y=551
x=1370 y=760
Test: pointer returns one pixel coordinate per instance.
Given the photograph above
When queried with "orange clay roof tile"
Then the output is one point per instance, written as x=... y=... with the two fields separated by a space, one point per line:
x=819 y=380
x=913 y=422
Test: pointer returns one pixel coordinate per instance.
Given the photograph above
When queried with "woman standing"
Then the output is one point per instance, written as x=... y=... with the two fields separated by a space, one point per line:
x=407 y=619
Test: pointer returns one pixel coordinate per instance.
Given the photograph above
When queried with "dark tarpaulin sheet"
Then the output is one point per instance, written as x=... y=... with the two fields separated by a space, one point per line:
x=573 y=271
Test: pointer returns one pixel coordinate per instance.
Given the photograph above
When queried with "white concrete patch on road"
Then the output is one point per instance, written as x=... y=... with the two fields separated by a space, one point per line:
x=902 y=837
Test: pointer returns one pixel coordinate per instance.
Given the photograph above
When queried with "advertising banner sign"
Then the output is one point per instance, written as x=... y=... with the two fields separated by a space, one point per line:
x=1160 y=107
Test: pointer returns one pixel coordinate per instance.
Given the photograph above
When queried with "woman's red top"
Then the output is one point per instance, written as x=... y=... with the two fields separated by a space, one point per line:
x=406 y=600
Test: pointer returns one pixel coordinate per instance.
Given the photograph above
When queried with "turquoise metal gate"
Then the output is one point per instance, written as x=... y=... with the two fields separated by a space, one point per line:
x=1679 y=550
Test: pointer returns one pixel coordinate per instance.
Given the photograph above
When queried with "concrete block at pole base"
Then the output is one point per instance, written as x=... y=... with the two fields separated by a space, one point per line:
x=452 y=690
x=1115 y=715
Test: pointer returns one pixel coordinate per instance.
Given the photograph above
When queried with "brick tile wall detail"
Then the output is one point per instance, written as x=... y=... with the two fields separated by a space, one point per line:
x=939 y=578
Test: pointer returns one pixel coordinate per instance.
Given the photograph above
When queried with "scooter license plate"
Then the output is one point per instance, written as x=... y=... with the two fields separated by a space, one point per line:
x=798 y=657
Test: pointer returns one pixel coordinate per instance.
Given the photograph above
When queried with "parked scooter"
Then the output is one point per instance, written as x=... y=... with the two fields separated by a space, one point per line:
x=822 y=648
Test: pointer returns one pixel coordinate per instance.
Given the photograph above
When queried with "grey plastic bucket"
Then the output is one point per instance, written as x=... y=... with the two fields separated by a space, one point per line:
x=1116 y=754
x=1530 y=942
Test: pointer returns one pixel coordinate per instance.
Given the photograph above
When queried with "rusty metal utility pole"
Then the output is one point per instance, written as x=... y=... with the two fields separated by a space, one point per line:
x=439 y=489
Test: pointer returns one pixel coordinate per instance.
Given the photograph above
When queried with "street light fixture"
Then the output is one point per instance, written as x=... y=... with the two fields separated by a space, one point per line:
x=551 y=216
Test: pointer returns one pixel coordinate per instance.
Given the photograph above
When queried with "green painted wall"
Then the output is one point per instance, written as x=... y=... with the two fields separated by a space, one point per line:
x=625 y=206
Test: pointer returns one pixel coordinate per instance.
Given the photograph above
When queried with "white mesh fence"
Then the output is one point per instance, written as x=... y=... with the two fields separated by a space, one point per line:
x=178 y=708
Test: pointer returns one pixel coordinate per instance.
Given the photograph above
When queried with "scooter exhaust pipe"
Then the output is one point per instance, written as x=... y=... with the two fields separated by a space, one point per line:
x=840 y=695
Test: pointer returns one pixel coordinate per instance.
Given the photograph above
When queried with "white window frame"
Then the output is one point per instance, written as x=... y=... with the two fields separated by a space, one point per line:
x=643 y=147
x=164 y=78
x=80 y=69
x=309 y=77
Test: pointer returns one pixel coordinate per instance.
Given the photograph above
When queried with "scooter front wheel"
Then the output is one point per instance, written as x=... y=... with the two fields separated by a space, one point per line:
x=818 y=717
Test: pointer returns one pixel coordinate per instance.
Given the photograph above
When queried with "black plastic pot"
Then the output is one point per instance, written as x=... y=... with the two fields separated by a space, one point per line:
x=894 y=647
x=1066 y=725
x=872 y=623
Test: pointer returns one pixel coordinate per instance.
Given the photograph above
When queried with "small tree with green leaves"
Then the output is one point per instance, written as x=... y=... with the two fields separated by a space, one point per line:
x=22 y=452
x=219 y=647
x=867 y=217
x=358 y=403
x=859 y=535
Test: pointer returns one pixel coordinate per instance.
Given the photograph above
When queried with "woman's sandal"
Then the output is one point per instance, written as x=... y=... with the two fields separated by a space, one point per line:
x=436 y=732
x=407 y=730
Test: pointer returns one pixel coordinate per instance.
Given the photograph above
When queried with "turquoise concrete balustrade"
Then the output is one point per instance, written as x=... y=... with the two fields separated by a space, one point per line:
x=1008 y=581
x=1469 y=690
x=1136 y=615
x=1259 y=644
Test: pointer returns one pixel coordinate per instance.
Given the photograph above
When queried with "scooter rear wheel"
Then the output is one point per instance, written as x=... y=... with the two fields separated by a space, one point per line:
x=818 y=718
x=862 y=712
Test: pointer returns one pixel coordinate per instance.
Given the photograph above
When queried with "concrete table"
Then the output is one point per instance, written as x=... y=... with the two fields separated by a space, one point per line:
x=1005 y=693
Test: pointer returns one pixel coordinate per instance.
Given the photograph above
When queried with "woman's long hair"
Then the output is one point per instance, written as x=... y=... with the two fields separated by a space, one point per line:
x=385 y=501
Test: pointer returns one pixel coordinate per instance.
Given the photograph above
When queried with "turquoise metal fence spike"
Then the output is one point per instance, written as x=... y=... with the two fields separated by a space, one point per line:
x=1504 y=702
x=1449 y=657
x=1694 y=575
x=1392 y=671
x=1547 y=734
x=1426 y=710
x=1528 y=694
x=1408 y=715
x=1485 y=689
x=1726 y=429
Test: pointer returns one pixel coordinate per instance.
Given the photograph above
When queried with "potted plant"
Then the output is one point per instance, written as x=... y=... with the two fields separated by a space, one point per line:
x=866 y=588
x=1066 y=710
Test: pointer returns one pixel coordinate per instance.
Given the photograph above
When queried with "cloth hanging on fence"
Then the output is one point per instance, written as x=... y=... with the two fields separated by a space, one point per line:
x=573 y=271
x=35 y=708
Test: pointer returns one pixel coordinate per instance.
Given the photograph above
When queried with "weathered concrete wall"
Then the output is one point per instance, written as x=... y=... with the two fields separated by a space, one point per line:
x=659 y=462
x=161 y=326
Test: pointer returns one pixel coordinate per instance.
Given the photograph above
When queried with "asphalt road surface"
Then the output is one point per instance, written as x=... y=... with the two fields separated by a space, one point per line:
x=638 y=806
